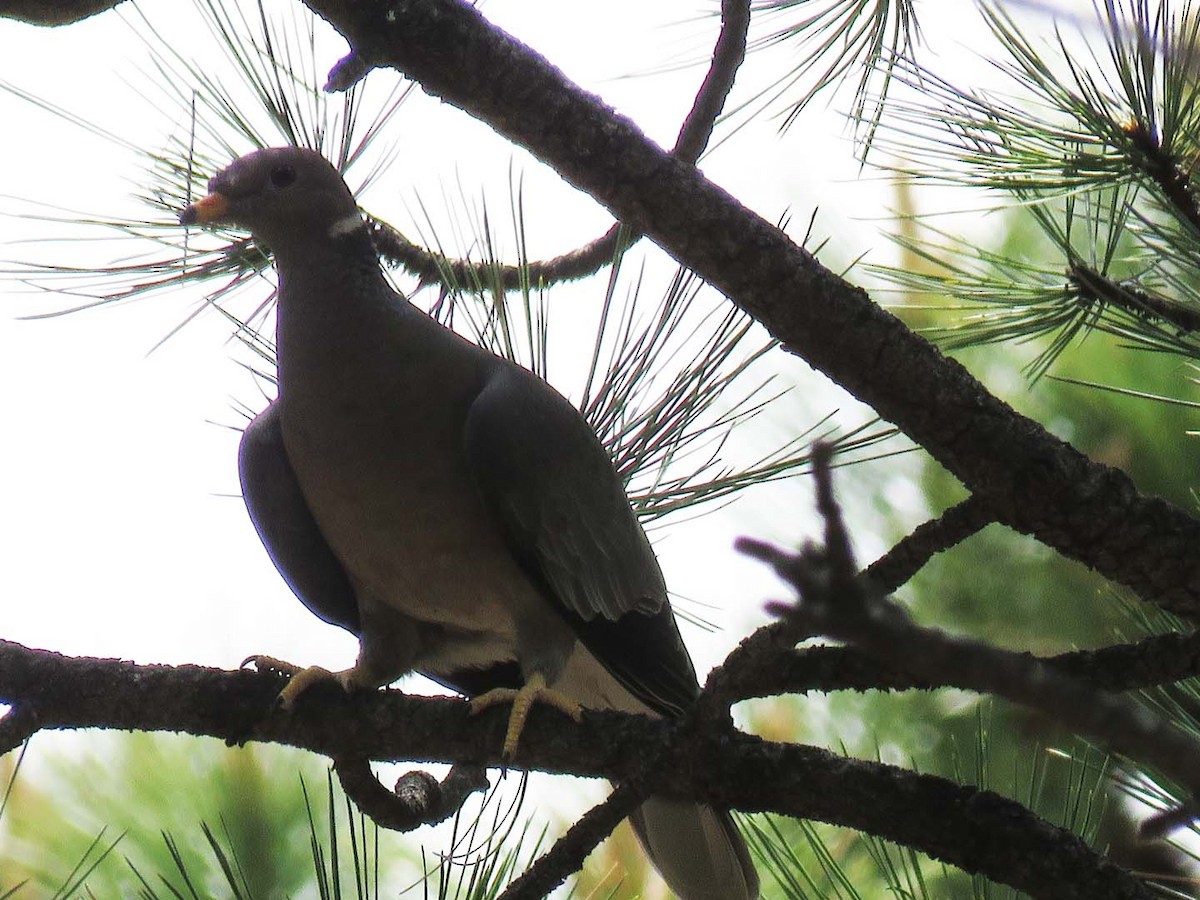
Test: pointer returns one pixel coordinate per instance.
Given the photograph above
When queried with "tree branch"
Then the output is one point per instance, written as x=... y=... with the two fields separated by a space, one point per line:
x=1164 y=169
x=975 y=830
x=1094 y=287
x=1158 y=660
x=834 y=599
x=569 y=851
x=949 y=529
x=1038 y=485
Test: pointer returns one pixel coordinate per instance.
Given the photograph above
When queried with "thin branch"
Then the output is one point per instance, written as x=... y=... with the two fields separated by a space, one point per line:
x=694 y=134
x=751 y=662
x=18 y=726
x=949 y=529
x=728 y=54
x=768 y=664
x=1161 y=659
x=1163 y=169
x=568 y=853
x=418 y=798
x=1094 y=287
x=434 y=268
x=769 y=670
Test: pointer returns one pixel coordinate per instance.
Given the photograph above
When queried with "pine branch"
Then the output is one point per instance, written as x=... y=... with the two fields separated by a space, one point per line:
x=905 y=559
x=833 y=599
x=975 y=830
x=1165 y=172
x=1099 y=151
x=435 y=268
x=772 y=671
x=1094 y=287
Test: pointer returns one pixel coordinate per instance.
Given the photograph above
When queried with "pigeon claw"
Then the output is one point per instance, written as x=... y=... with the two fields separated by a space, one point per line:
x=301 y=679
x=535 y=690
x=264 y=663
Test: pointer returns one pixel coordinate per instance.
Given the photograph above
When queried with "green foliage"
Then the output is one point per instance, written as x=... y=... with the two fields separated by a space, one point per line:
x=187 y=818
x=1098 y=153
x=1064 y=781
x=166 y=815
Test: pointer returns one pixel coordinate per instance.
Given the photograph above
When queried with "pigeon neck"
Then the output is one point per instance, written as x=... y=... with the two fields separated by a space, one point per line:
x=332 y=294
x=330 y=267
x=343 y=247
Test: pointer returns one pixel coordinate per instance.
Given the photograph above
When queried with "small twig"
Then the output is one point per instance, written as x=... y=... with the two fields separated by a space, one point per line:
x=694 y=134
x=1165 y=172
x=434 y=268
x=418 y=798
x=17 y=726
x=1094 y=287
x=949 y=529
x=727 y=57
x=1159 y=825
x=347 y=72
x=835 y=602
x=765 y=663
x=568 y=853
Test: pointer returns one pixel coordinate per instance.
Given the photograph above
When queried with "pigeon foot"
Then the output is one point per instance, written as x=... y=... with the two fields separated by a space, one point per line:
x=535 y=690
x=303 y=678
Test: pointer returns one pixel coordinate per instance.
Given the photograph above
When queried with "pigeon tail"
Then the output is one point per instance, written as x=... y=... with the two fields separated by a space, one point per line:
x=697 y=850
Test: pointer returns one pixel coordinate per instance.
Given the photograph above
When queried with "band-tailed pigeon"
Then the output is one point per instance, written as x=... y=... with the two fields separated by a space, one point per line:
x=448 y=506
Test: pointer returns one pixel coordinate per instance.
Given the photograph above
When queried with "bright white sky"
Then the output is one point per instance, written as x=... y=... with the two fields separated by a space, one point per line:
x=123 y=534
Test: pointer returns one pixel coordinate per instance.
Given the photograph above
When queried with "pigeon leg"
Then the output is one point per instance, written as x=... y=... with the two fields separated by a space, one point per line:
x=304 y=678
x=522 y=702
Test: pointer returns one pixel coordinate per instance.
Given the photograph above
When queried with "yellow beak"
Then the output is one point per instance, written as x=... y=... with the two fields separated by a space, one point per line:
x=210 y=209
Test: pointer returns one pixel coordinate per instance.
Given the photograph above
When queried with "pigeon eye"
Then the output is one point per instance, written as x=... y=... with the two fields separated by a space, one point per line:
x=283 y=176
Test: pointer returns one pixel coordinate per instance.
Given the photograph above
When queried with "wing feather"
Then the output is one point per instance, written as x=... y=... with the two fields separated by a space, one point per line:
x=286 y=525
x=563 y=512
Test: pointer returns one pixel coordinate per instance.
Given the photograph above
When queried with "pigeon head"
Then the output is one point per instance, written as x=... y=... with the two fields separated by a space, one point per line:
x=282 y=195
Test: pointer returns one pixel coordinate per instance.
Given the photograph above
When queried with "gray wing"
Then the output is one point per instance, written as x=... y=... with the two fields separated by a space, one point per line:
x=558 y=501
x=287 y=527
